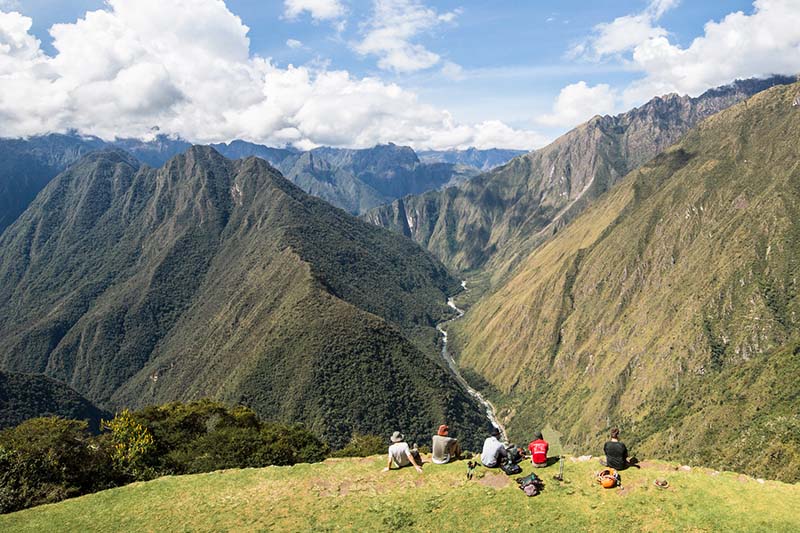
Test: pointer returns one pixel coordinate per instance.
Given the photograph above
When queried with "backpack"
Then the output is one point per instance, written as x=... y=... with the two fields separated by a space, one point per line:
x=608 y=478
x=531 y=485
x=514 y=455
x=510 y=468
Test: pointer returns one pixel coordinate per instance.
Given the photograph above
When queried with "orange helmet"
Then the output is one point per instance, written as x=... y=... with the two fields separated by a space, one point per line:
x=608 y=478
x=608 y=482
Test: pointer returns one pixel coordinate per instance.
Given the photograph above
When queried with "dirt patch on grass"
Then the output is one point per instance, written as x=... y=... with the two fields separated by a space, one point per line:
x=495 y=481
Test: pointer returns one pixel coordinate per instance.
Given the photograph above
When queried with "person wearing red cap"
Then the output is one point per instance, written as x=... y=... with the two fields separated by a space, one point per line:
x=445 y=448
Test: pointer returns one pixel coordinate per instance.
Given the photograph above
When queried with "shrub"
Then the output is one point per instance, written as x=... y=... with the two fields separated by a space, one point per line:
x=363 y=446
x=45 y=460
x=130 y=445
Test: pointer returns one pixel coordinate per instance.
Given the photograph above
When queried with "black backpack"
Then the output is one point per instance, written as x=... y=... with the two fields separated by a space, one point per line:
x=511 y=469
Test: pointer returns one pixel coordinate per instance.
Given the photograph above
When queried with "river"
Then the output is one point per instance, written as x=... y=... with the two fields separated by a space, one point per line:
x=491 y=414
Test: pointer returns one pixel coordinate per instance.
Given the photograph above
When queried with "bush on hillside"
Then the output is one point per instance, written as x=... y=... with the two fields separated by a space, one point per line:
x=130 y=445
x=206 y=435
x=45 y=460
x=363 y=446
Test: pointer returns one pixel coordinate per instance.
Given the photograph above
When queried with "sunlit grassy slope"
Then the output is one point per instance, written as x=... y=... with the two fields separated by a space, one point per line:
x=669 y=308
x=355 y=495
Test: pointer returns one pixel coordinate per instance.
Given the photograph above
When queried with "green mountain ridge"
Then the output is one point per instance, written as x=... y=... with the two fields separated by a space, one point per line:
x=669 y=307
x=218 y=278
x=24 y=396
x=490 y=222
x=354 y=180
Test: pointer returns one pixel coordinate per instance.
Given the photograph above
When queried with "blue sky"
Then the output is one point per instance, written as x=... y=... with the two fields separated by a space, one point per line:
x=471 y=72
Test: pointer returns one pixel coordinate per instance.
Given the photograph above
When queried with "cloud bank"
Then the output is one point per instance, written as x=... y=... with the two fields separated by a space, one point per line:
x=759 y=44
x=185 y=67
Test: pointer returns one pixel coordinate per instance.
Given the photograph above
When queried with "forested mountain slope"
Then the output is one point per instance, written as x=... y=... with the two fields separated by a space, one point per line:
x=28 y=165
x=24 y=396
x=500 y=216
x=670 y=307
x=211 y=277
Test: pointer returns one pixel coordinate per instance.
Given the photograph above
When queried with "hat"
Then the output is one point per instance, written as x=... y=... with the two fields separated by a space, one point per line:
x=537 y=435
x=443 y=429
x=397 y=437
x=494 y=432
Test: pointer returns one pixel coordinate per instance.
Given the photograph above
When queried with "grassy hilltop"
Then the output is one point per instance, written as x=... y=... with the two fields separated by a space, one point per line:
x=354 y=495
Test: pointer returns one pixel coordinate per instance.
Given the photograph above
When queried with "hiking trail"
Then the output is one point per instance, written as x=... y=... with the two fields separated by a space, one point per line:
x=491 y=414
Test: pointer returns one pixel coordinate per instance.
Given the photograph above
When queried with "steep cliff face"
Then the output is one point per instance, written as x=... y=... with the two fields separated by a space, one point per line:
x=498 y=217
x=217 y=278
x=669 y=307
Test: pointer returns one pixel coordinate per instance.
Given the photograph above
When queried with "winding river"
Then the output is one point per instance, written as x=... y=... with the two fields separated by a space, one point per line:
x=487 y=405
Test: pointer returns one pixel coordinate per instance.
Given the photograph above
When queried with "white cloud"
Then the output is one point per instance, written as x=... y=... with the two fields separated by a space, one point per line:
x=739 y=46
x=318 y=9
x=389 y=34
x=186 y=67
x=579 y=102
x=10 y=5
x=625 y=33
x=765 y=42
x=294 y=43
x=454 y=71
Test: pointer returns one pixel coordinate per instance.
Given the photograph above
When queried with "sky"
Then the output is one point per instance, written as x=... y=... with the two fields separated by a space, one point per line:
x=354 y=73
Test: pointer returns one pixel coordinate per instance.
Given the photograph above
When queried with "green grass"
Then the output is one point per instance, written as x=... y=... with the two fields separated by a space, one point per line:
x=355 y=495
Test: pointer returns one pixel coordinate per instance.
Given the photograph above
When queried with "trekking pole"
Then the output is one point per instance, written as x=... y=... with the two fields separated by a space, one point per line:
x=560 y=476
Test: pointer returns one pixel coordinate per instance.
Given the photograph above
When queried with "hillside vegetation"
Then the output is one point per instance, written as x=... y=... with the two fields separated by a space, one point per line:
x=24 y=396
x=669 y=308
x=354 y=495
x=215 y=278
x=492 y=221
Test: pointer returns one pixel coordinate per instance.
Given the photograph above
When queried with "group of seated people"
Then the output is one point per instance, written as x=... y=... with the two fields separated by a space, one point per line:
x=445 y=449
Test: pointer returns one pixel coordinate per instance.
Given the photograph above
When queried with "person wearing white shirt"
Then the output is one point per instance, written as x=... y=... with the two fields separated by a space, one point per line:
x=494 y=451
x=401 y=455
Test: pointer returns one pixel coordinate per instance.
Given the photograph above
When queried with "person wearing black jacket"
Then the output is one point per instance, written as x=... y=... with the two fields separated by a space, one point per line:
x=617 y=453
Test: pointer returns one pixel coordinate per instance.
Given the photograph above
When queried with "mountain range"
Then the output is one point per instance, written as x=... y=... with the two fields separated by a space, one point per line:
x=491 y=221
x=217 y=278
x=669 y=307
x=354 y=180
x=639 y=272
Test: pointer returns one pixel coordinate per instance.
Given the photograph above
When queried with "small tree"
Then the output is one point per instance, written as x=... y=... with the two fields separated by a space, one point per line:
x=130 y=445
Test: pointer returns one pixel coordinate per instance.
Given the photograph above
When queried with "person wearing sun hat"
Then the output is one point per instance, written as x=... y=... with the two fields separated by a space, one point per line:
x=400 y=454
x=445 y=448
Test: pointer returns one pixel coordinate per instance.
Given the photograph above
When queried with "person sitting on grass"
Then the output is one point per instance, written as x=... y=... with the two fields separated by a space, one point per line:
x=401 y=455
x=617 y=453
x=444 y=448
x=494 y=452
x=538 y=448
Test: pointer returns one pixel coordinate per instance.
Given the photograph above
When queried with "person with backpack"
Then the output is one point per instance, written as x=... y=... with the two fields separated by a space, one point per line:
x=401 y=455
x=444 y=448
x=616 y=453
x=538 y=448
x=494 y=451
